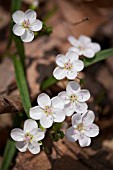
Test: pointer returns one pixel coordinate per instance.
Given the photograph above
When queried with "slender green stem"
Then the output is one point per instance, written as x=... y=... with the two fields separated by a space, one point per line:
x=9 y=153
x=22 y=84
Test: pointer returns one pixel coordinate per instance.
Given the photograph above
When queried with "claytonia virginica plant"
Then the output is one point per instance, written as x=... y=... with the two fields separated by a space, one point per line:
x=26 y=23
x=68 y=66
x=82 y=128
x=48 y=111
x=74 y=98
x=29 y=137
x=84 y=46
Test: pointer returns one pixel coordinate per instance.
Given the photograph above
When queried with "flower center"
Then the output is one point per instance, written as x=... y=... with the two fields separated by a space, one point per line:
x=48 y=110
x=73 y=98
x=28 y=137
x=26 y=24
x=68 y=66
x=80 y=127
x=82 y=47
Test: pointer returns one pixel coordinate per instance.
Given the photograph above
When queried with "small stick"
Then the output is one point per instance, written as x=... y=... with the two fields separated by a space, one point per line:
x=80 y=22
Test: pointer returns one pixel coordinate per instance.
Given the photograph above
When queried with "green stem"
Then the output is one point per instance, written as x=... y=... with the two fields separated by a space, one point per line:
x=22 y=84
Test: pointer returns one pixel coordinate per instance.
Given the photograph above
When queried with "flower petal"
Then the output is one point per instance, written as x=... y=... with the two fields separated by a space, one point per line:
x=34 y=147
x=73 y=41
x=44 y=100
x=30 y=15
x=80 y=107
x=72 y=87
x=78 y=65
x=36 y=112
x=18 y=17
x=21 y=146
x=71 y=134
x=18 y=30
x=76 y=119
x=69 y=109
x=84 y=141
x=46 y=121
x=17 y=134
x=93 y=130
x=36 y=25
x=38 y=134
x=84 y=39
x=29 y=125
x=57 y=102
x=72 y=74
x=89 y=53
x=83 y=95
x=88 y=117
x=75 y=49
x=27 y=36
x=95 y=47
x=60 y=60
x=59 y=73
x=58 y=115
x=72 y=56
x=64 y=97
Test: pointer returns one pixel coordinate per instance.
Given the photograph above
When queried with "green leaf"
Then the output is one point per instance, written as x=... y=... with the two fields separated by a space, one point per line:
x=47 y=83
x=15 y=5
x=9 y=153
x=22 y=84
x=56 y=127
x=20 y=49
x=102 y=55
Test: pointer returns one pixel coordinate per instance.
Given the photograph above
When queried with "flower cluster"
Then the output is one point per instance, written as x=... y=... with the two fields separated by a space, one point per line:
x=71 y=102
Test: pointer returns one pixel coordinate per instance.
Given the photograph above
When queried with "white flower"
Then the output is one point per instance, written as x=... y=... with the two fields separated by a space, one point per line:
x=26 y=23
x=29 y=137
x=48 y=111
x=82 y=128
x=74 y=98
x=84 y=46
x=68 y=66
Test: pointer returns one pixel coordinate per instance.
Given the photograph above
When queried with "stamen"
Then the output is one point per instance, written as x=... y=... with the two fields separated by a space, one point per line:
x=26 y=24
x=73 y=98
x=68 y=65
x=28 y=137
x=48 y=110
x=80 y=127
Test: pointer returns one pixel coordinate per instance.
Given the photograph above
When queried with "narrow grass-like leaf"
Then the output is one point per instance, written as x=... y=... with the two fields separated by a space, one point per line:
x=22 y=84
x=102 y=55
x=9 y=153
x=15 y=5
x=48 y=82
x=20 y=49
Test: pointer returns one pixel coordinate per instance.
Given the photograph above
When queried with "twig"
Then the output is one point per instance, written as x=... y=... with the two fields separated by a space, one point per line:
x=80 y=22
